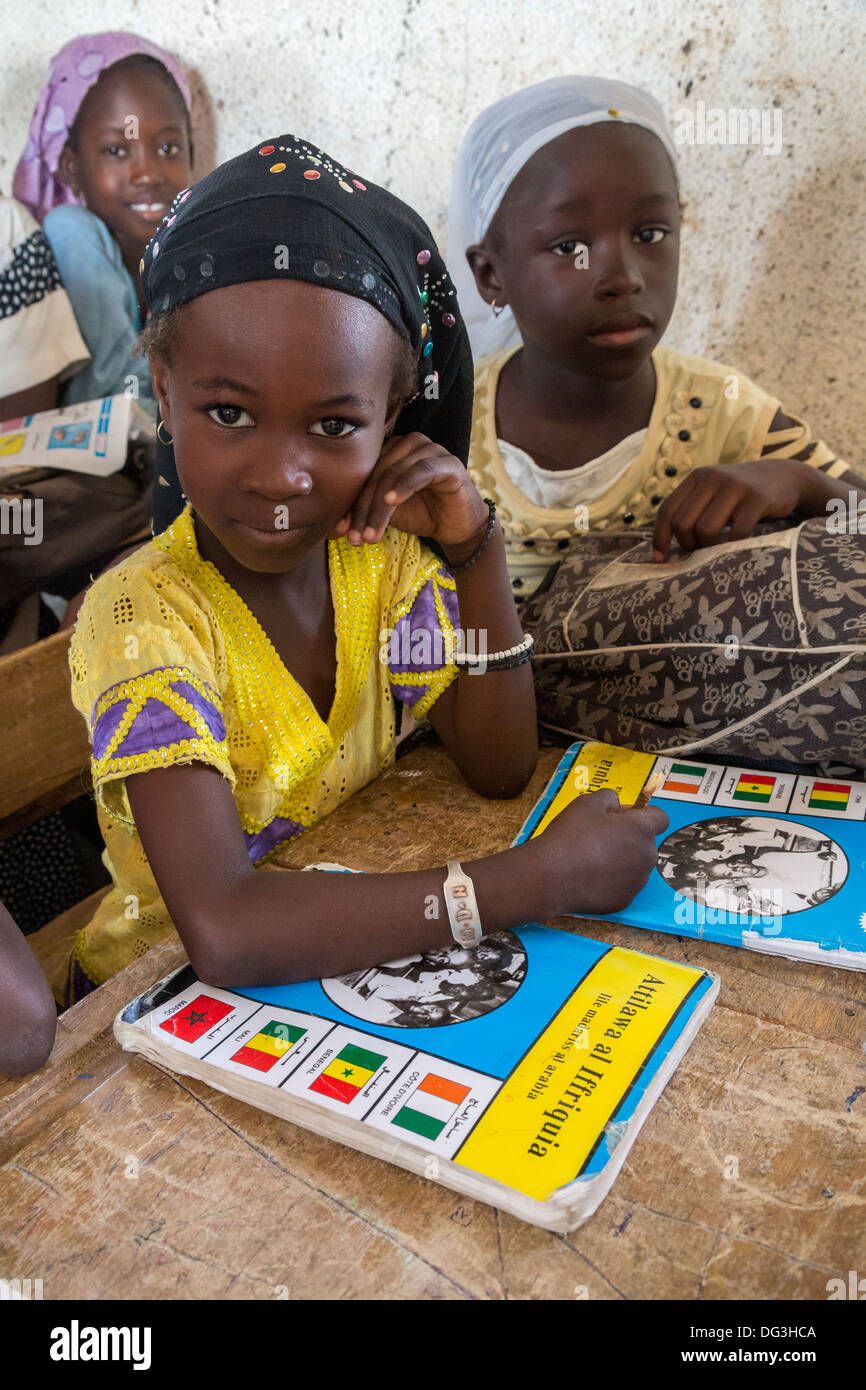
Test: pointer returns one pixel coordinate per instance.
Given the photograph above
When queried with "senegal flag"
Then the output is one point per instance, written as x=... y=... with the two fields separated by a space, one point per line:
x=753 y=787
x=270 y=1044
x=348 y=1073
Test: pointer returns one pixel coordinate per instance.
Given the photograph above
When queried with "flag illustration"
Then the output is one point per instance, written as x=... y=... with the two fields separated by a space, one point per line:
x=196 y=1018
x=683 y=777
x=829 y=796
x=270 y=1044
x=348 y=1073
x=431 y=1106
x=753 y=787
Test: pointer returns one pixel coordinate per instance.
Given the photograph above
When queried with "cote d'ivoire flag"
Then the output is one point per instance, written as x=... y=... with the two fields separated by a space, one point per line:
x=196 y=1018
x=684 y=778
x=754 y=787
x=270 y=1044
x=431 y=1106
x=348 y=1073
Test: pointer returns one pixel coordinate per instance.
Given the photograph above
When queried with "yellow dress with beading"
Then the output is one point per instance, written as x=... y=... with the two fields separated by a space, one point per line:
x=170 y=666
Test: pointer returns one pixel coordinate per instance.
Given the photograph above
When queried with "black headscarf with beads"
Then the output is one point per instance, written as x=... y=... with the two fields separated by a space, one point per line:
x=286 y=210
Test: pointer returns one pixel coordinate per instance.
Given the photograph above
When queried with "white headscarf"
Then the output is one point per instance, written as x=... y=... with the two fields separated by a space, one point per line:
x=495 y=148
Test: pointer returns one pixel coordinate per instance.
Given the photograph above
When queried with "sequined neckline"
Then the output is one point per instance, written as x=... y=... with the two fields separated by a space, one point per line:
x=267 y=693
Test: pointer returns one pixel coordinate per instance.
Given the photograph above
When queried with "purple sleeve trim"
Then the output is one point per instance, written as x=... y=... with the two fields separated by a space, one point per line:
x=106 y=727
x=264 y=841
x=417 y=643
x=156 y=726
x=203 y=706
x=408 y=695
x=452 y=607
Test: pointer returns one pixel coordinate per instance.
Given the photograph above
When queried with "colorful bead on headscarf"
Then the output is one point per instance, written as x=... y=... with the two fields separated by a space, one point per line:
x=262 y=216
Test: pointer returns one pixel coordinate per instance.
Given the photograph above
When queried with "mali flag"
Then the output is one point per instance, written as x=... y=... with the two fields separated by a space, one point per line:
x=753 y=787
x=829 y=796
x=196 y=1018
x=270 y=1044
x=348 y=1073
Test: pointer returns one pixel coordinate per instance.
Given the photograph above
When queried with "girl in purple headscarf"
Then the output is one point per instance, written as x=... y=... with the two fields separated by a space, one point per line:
x=109 y=148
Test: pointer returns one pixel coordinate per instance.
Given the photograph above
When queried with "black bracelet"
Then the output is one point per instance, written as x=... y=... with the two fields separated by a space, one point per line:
x=467 y=564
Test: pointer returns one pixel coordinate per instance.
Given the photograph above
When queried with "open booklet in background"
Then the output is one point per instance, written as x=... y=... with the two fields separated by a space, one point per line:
x=518 y=1073
x=88 y=437
x=768 y=860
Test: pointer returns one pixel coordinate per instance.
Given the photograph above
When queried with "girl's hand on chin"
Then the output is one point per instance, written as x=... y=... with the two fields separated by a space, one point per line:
x=418 y=487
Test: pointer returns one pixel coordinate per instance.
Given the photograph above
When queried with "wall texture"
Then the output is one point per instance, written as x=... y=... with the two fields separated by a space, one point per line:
x=773 y=273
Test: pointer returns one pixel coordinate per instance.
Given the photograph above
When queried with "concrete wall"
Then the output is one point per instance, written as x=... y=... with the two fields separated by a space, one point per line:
x=773 y=266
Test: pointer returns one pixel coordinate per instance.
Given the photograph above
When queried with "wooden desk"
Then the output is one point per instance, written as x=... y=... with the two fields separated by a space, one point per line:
x=232 y=1203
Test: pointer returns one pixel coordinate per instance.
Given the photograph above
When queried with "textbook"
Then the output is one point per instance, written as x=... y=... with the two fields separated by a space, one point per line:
x=517 y=1073
x=768 y=860
x=89 y=437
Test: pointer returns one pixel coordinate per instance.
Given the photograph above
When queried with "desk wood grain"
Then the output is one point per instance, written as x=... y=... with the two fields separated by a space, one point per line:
x=748 y=1179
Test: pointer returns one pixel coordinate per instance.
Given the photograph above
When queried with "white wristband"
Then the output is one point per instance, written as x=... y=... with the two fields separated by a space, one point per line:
x=462 y=907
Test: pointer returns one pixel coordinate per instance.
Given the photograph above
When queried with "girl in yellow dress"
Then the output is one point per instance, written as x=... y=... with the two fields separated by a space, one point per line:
x=239 y=674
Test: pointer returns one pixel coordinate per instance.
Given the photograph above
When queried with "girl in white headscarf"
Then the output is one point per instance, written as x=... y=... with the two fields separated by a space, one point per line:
x=494 y=150
x=601 y=449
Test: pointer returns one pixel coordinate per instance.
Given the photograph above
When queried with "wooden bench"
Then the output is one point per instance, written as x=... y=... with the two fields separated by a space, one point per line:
x=44 y=763
x=44 y=751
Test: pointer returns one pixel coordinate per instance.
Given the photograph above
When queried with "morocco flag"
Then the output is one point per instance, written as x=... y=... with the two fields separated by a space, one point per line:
x=196 y=1018
x=348 y=1073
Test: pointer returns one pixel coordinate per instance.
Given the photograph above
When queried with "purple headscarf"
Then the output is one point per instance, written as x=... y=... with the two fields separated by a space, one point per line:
x=72 y=73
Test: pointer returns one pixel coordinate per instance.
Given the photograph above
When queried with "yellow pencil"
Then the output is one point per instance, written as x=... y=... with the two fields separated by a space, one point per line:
x=646 y=792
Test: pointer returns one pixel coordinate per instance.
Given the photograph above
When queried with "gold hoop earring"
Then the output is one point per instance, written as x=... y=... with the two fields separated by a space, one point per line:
x=170 y=439
x=497 y=308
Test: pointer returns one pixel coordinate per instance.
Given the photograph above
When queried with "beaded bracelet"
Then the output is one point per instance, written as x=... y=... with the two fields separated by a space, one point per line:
x=499 y=661
x=467 y=564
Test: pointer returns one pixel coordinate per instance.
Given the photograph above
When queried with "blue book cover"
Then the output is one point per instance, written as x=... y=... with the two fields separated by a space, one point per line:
x=771 y=861
x=518 y=1072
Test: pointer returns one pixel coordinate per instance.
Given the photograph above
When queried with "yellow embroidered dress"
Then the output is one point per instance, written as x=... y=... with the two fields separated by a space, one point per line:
x=170 y=666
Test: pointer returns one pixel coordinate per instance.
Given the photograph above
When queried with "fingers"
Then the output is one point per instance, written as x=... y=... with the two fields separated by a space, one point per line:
x=399 y=482
x=654 y=818
x=697 y=512
x=604 y=800
x=746 y=517
x=655 y=823
x=385 y=488
x=663 y=532
x=589 y=804
x=702 y=521
x=713 y=520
